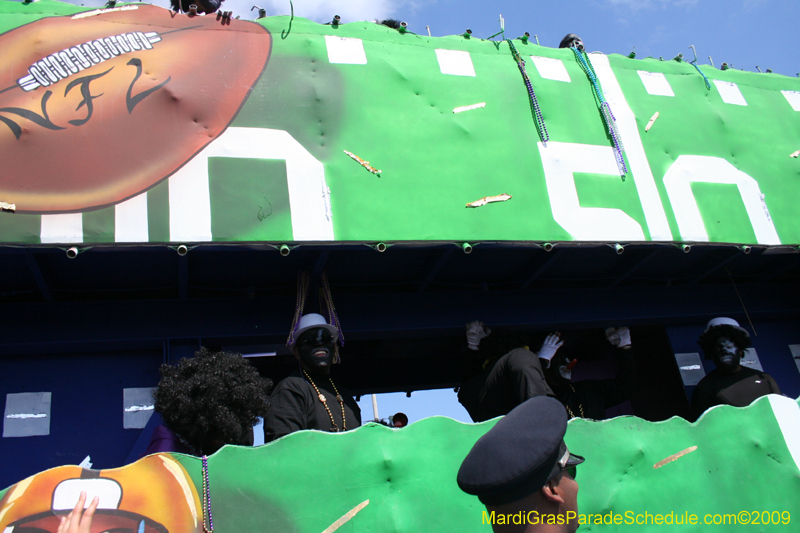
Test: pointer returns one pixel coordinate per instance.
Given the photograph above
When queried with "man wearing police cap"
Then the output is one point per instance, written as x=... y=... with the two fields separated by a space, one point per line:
x=522 y=471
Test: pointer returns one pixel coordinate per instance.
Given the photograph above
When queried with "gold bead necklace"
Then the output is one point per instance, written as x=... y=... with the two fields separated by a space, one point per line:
x=580 y=405
x=325 y=402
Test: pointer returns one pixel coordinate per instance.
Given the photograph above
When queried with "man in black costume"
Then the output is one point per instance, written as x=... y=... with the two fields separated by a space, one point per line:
x=589 y=398
x=308 y=398
x=504 y=373
x=730 y=383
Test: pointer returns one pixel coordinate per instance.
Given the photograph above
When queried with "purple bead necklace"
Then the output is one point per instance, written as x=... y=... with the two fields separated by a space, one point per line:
x=536 y=111
x=605 y=110
x=208 y=520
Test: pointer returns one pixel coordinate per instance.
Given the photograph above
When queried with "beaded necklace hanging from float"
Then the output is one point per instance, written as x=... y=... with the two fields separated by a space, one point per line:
x=208 y=520
x=302 y=295
x=536 y=111
x=705 y=79
x=324 y=402
x=605 y=110
x=333 y=318
x=303 y=283
x=580 y=405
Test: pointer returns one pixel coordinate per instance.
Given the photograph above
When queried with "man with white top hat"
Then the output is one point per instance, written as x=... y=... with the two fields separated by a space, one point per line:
x=308 y=398
x=522 y=471
x=724 y=342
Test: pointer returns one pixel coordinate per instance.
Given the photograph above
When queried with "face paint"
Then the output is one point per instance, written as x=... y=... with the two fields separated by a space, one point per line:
x=314 y=350
x=566 y=369
x=726 y=354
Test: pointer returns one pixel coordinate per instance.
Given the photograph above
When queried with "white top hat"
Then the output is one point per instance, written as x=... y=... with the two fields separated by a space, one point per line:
x=724 y=321
x=312 y=321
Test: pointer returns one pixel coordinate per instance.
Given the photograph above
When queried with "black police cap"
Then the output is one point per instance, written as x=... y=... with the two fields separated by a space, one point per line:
x=520 y=454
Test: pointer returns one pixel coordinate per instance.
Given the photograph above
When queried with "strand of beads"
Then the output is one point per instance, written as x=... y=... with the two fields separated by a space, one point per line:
x=605 y=110
x=208 y=520
x=302 y=295
x=536 y=111
x=341 y=404
x=580 y=405
x=333 y=317
x=694 y=64
x=325 y=402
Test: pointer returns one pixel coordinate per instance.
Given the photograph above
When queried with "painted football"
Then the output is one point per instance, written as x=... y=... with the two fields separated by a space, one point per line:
x=98 y=107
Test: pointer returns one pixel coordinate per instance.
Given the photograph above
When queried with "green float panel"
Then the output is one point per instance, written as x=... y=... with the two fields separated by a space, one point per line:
x=734 y=465
x=255 y=143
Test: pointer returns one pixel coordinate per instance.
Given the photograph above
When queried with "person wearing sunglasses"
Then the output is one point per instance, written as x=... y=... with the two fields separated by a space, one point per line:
x=309 y=398
x=523 y=472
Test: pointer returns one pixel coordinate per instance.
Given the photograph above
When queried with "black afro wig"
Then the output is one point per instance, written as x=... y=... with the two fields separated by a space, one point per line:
x=212 y=399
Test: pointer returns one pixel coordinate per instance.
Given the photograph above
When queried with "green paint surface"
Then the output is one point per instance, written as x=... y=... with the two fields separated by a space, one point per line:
x=733 y=460
x=396 y=112
x=723 y=212
x=96 y=224
x=236 y=213
x=308 y=480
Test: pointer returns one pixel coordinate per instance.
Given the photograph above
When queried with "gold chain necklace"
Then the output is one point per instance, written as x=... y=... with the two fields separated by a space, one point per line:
x=580 y=405
x=325 y=402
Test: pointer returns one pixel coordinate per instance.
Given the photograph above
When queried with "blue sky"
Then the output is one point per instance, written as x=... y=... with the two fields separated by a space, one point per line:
x=421 y=404
x=744 y=33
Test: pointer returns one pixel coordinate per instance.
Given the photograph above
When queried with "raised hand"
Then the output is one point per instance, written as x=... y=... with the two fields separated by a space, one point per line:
x=476 y=330
x=619 y=337
x=79 y=520
x=550 y=346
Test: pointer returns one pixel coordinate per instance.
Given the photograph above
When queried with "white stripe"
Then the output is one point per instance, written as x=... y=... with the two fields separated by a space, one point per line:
x=787 y=413
x=793 y=97
x=65 y=229
x=345 y=50
x=560 y=162
x=551 y=69
x=190 y=201
x=130 y=220
x=640 y=168
x=190 y=211
x=655 y=83
x=688 y=169
x=469 y=107
x=455 y=62
x=730 y=93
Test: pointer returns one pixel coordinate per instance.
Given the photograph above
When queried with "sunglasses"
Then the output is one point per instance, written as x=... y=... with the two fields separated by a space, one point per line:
x=314 y=336
x=572 y=471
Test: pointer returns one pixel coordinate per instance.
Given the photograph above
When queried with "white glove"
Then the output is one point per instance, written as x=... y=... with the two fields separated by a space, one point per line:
x=475 y=332
x=619 y=337
x=550 y=346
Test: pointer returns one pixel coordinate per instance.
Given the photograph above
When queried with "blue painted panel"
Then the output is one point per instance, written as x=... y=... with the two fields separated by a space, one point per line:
x=86 y=411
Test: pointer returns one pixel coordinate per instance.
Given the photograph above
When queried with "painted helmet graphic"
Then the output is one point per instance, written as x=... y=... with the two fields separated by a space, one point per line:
x=153 y=495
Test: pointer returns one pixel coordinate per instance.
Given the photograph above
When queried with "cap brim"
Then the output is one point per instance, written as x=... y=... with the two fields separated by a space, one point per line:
x=574 y=459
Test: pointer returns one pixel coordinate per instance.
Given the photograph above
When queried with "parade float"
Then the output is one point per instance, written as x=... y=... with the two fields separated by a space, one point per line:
x=167 y=176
